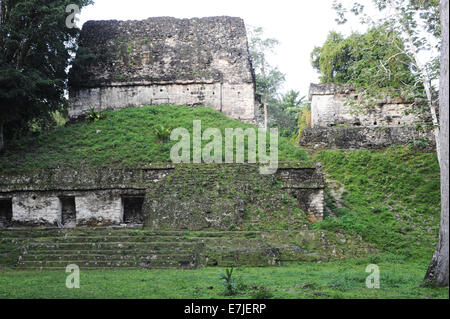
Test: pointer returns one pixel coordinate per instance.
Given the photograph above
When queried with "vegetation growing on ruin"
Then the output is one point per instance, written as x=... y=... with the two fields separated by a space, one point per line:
x=123 y=138
x=391 y=198
x=256 y=201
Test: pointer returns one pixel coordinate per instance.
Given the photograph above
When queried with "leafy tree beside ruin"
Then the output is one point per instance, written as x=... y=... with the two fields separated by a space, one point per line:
x=366 y=61
x=386 y=61
x=35 y=52
x=268 y=78
x=281 y=110
x=414 y=27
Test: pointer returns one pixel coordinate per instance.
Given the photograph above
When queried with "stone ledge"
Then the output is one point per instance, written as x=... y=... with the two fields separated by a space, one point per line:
x=364 y=137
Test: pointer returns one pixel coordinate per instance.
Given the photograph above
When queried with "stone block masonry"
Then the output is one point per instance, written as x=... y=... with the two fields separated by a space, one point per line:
x=336 y=124
x=167 y=197
x=365 y=138
x=162 y=61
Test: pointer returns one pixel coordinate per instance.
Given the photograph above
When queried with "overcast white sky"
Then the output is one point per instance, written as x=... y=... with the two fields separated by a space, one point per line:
x=299 y=25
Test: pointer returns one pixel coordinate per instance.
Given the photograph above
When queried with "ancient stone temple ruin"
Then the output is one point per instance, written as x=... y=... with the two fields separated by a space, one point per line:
x=169 y=197
x=336 y=124
x=158 y=61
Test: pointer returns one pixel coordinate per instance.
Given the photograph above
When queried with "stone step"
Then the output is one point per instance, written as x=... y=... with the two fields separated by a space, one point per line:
x=94 y=248
x=109 y=245
x=91 y=256
x=99 y=239
x=99 y=232
x=106 y=252
x=92 y=241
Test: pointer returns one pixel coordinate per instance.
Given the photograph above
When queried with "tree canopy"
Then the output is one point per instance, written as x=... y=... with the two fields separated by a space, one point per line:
x=409 y=29
x=283 y=109
x=373 y=59
x=35 y=52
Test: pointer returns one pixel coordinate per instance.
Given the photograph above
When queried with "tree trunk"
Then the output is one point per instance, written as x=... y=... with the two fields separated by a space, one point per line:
x=265 y=116
x=425 y=79
x=438 y=270
x=2 y=143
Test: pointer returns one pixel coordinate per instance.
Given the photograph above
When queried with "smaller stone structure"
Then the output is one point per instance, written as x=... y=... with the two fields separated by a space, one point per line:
x=165 y=197
x=164 y=61
x=336 y=124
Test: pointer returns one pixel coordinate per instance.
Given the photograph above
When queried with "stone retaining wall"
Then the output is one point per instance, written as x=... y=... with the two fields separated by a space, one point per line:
x=212 y=196
x=336 y=123
x=365 y=138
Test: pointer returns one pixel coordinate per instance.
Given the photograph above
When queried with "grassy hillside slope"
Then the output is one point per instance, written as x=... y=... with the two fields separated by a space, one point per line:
x=391 y=198
x=124 y=138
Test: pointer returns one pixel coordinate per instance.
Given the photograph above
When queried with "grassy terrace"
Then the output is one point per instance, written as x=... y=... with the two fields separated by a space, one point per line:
x=340 y=279
x=124 y=138
x=391 y=198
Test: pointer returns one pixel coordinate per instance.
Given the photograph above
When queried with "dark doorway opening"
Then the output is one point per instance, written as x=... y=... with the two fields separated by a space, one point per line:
x=68 y=211
x=132 y=209
x=5 y=212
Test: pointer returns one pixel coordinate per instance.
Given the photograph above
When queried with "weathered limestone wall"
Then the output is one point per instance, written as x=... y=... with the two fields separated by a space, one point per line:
x=164 y=61
x=336 y=124
x=328 y=108
x=176 y=197
x=237 y=197
x=100 y=207
x=36 y=208
x=364 y=137
x=306 y=186
x=234 y=100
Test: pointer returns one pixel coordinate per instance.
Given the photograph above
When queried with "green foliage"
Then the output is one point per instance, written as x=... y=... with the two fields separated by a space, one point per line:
x=78 y=72
x=262 y=293
x=59 y=118
x=284 y=113
x=94 y=116
x=365 y=60
x=391 y=198
x=228 y=281
x=283 y=109
x=387 y=60
x=304 y=121
x=162 y=134
x=124 y=138
x=268 y=78
x=35 y=51
x=292 y=103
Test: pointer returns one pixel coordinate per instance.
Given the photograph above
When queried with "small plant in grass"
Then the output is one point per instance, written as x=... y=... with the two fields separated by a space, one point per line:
x=228 y=282
x=94 y=116
x=162 y=134
x=262 y=293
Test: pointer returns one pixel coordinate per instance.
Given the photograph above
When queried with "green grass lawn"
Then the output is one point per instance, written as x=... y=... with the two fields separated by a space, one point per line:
x=343 y=279
x=125 y=137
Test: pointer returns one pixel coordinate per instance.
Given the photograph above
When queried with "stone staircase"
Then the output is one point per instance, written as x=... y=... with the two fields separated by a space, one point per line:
x=103 y=248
